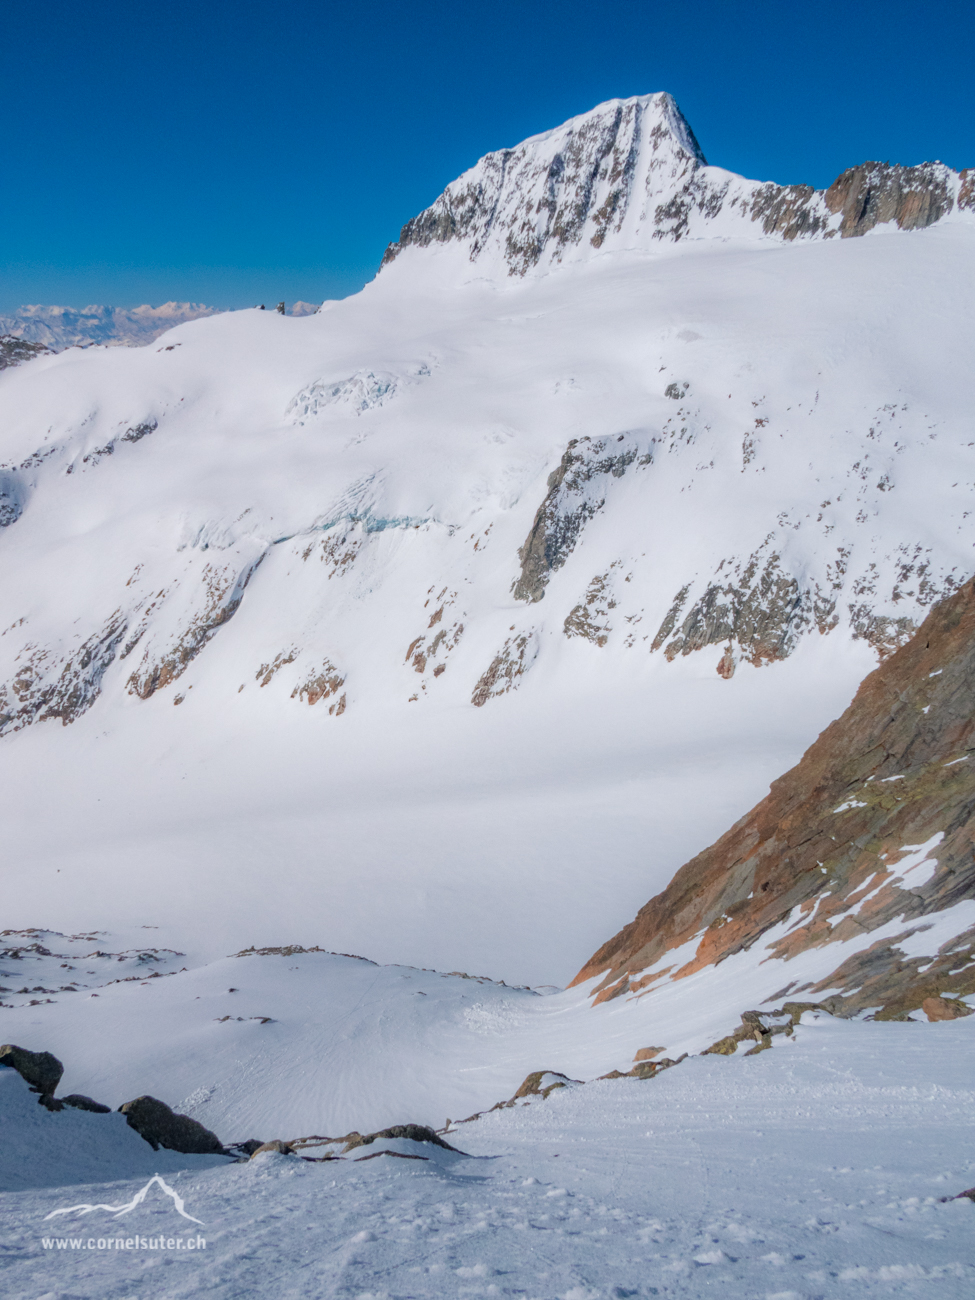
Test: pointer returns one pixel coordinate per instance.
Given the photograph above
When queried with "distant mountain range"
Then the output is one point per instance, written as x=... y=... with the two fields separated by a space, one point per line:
x=57 y=328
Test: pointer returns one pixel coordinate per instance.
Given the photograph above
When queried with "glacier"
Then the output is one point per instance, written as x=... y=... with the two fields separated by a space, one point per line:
x=440 y=627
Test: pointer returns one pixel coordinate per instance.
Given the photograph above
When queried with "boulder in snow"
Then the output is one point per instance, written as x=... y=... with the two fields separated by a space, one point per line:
x=411 y=1132
x=941 y=1008
x=282 y=1148
x=161 y=1127
x=42 y=1070
x=80 y=1102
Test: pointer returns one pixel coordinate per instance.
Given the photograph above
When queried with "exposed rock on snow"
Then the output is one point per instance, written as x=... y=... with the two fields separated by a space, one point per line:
x=511 y=662
x=45 y=685
x=162 y=1127
x=588 y=618
x=576 y=492
x=275 y=1146
x=11 y=499
x=870 y=834
x=874 y=194
x=761 y=610
x=540 y=1083
x=409 y=1132
x=214 y=602
x=41 y=1070
x=630 y=172
x=321 y=685
x=14 y=351
x=945 y=1008
x=80 y=1102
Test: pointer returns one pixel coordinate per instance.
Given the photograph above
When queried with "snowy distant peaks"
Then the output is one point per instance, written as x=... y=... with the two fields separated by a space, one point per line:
x=631 y=172
x=65 y=327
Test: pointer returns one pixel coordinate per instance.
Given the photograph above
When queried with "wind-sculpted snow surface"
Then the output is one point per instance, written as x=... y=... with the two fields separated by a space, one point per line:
x=815 y=1170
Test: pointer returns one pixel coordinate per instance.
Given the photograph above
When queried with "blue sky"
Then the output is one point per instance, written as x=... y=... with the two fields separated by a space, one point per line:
x=230 y=152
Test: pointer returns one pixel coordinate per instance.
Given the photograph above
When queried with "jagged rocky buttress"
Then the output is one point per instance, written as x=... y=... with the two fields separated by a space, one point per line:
x=864 y=844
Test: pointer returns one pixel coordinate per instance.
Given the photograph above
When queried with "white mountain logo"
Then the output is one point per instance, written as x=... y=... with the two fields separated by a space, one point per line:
x=118 y=1210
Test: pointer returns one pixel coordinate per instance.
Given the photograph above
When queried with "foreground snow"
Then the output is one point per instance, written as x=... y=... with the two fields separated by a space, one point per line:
x=814 y=1169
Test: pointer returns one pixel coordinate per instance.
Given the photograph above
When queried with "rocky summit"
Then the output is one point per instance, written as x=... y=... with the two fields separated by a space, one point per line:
x=631 y=173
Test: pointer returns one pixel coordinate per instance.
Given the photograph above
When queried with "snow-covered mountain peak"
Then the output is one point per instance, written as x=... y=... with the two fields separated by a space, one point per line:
x=630 y=173
x=575 y=187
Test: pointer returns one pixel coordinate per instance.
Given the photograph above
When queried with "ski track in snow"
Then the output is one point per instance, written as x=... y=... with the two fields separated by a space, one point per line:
x=812 y=1170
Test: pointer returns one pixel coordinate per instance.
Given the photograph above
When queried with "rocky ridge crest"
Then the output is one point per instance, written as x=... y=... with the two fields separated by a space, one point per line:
x=631 y=173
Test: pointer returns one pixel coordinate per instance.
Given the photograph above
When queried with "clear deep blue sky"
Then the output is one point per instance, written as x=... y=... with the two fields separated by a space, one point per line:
x=228 y=152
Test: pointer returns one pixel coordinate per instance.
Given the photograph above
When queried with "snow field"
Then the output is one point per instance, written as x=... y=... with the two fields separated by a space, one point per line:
x=812 y=1170
x=285 y=1045
x=552 y=813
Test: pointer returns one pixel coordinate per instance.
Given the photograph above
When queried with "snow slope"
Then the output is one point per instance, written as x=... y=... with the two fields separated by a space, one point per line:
x=183 y=532
x=817 y=1169
x=439 y=579
x=286 y=1043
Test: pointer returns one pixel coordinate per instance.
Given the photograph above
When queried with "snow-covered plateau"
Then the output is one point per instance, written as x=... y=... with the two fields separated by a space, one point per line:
x=442 y=627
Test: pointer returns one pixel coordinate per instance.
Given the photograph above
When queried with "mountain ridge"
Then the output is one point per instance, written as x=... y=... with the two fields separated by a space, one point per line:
x=863 y=844
x=631 y=172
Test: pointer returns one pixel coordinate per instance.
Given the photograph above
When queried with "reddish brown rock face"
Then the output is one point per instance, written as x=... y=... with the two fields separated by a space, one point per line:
x=876 y=193
x=944 y=1008
x=830 y=845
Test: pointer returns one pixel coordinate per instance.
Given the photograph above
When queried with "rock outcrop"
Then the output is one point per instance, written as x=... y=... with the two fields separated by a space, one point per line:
x=14 y=351
x=79 y=1101
x=657 y=508
x=871 y=831
x=41 y=1070
x=411 y=1132
x=576 y=493
x=276 y=1146
x=540 y=1083
x=162 y=1127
